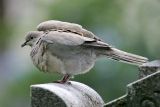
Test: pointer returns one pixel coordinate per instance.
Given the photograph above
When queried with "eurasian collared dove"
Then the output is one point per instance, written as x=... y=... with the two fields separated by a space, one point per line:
x=69 y=49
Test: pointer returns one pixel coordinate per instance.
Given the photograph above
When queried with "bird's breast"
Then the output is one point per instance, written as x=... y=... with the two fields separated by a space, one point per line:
x=67 y=63
x=46 y=61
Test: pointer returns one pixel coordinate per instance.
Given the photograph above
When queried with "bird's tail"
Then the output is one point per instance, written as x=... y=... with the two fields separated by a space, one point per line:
x=126 y=57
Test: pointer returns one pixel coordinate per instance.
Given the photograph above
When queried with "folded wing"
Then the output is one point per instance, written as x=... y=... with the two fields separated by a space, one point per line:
x=71 y=39
x=54 y=25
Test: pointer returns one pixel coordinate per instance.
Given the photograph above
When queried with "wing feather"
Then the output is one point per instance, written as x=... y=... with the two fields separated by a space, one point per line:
x=55 y=25
x=65 y=38
x=69 y=39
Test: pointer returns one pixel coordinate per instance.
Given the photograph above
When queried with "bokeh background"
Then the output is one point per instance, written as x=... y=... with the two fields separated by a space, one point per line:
x=130 y=25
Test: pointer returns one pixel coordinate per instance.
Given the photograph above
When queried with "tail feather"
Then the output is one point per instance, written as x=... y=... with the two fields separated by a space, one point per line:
x=127 y=57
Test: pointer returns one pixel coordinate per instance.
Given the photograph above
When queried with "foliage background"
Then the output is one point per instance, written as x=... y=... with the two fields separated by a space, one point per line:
x=130 y=25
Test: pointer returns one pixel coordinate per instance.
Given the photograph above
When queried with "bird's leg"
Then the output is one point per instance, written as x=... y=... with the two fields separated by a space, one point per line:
x=65 y=78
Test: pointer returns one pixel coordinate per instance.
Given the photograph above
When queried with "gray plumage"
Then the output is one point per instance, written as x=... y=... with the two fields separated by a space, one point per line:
x=67 y=48
x=54 y=25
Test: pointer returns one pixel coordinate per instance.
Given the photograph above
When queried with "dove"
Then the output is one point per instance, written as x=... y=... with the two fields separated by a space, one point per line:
x=68 y=49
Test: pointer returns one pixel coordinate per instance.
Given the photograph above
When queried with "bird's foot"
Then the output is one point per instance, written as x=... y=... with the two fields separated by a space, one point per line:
x=64 y=80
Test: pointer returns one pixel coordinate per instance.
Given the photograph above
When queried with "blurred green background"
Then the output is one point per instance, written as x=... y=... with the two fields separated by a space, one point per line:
x=130 y=25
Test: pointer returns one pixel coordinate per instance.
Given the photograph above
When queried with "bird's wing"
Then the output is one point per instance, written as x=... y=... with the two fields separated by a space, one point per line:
x=70 y=39
x=97 y=44
x=58 y=25
x=54 y=25
x=64 y=38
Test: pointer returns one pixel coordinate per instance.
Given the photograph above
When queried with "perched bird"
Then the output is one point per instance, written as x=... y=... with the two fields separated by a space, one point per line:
x=69 y=49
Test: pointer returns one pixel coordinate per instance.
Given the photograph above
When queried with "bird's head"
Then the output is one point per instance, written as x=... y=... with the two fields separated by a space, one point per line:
x=31 y=38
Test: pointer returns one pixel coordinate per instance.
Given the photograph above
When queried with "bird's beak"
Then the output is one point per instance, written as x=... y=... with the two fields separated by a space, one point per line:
x=24 y=44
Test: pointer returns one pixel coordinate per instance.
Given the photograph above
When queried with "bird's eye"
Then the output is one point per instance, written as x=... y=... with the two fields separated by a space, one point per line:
x=31 y=38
